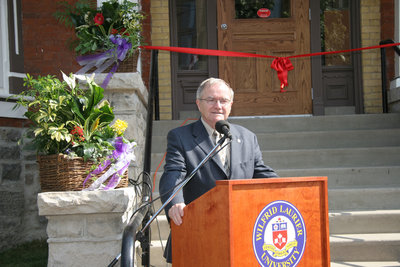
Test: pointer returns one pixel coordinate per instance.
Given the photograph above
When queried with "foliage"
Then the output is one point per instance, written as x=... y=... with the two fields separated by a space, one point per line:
x=95 y=26
x=30 y=254
x=67 y=119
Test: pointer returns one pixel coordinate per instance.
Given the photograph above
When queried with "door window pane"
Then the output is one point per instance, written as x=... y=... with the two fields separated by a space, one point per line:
x=256 y=9
x=335 y=31
x=192 y=32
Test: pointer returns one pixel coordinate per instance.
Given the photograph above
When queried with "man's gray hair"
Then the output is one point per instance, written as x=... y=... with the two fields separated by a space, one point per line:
x=209 y=82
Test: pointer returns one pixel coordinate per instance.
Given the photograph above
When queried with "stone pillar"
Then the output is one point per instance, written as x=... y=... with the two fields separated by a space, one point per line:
x=85 y=227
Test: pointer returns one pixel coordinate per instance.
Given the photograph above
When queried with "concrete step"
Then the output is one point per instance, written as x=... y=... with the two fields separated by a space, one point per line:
x=365 y=247
x=160 y=228
x=338 y=177
x=367 y=222
x=270 y=124
x=156 y=254
x=314 y=139
x=322 y=158
x=354 y=248
x=332 y=158
x=376 y=192
x=366 y=264
x=385 y=198
x=340 y=222
x=350 y=177
x=360 y=155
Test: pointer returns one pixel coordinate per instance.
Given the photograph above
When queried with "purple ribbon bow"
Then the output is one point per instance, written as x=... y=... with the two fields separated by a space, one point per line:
x=105 y=59
x=122 y=155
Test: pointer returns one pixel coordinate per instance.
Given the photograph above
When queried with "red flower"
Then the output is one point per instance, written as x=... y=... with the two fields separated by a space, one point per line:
x=78 y=132
x=99 y=19
x=123 y=30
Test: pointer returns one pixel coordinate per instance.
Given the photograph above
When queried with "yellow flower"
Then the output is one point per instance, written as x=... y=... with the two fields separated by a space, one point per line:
x=95 y=124
x=120 y=126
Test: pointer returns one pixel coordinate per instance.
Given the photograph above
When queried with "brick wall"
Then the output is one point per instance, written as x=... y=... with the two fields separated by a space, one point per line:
x=387 y=32
x=44 y=40
x=161 y=37
x=371 y=70
x=146 y=54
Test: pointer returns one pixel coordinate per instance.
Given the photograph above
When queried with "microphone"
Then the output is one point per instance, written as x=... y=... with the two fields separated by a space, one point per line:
x=222 y=127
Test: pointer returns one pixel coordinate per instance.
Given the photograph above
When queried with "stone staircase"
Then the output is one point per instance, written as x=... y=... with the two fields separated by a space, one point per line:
x=360 y=154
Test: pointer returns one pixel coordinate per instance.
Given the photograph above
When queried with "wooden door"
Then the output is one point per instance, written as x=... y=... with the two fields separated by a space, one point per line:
x=284 y=33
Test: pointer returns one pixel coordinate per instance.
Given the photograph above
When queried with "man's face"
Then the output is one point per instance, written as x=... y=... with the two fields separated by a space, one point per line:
x=215 y=103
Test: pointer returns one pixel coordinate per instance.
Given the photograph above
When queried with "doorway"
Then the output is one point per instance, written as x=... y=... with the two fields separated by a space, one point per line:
x=192 y=25
x=336 y=77
x=272 y=27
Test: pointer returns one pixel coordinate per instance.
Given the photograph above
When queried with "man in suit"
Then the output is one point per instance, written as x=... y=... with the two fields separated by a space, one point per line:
x=189 y=145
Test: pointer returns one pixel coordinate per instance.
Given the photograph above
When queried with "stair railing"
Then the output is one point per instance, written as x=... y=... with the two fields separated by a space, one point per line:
x=384 y=72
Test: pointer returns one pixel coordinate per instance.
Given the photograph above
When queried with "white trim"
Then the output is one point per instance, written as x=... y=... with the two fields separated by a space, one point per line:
x=397 y=35
x=6 y=110
x=17 y=74
x=16 y=27
x=4 y=54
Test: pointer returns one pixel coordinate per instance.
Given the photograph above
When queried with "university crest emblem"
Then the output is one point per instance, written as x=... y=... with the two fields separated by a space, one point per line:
x=279 y=235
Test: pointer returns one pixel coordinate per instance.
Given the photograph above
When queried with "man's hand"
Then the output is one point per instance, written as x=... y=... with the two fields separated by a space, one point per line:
x=176 y=213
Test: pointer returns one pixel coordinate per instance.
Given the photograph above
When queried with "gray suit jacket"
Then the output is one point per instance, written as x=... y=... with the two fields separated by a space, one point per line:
x=189 y=145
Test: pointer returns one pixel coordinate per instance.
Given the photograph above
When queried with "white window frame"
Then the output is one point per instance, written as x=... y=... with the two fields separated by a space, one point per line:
x=397 y=36
x=4 y=56
x=6 y=108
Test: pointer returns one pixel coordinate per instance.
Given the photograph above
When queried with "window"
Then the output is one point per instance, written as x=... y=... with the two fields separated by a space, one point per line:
x=191 y=32
x=11 y=56
x=260 y=9
x=335 y=31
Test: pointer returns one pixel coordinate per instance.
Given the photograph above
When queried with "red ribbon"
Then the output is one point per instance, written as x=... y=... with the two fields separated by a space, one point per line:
x=281 y=64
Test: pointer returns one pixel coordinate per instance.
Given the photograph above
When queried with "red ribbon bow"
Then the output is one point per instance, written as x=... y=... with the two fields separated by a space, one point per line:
x=282 y=65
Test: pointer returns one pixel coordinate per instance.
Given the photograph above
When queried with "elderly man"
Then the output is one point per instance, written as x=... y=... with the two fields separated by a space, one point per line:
x=189 y=145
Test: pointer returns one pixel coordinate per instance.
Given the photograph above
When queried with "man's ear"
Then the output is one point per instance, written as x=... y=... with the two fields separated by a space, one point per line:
x=198 y=104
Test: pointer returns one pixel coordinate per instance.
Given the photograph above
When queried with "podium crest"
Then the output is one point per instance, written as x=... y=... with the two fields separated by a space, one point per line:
x=279 y=235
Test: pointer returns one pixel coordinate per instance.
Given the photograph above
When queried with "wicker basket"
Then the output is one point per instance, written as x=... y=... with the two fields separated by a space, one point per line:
x=59 y=173
x=128 y=65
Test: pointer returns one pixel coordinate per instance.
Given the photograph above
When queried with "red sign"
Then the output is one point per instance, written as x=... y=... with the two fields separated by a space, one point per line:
x=263 y=12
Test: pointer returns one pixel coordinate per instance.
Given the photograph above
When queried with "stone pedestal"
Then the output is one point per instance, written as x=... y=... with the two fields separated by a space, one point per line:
x=85 y=227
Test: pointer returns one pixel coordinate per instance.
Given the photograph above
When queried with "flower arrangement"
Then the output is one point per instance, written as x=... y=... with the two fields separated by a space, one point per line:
x=104 y=28
x=106 y=36
x=67 y=119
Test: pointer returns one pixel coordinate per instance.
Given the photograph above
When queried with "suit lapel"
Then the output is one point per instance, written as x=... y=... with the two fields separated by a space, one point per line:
x=236 y=147
x=203 y=140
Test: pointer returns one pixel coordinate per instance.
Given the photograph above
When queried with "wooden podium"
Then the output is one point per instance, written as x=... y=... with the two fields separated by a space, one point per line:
x=256 y=222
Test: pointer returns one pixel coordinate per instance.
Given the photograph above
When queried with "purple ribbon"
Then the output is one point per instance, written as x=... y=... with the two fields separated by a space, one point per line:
x=122 y=156
x=105 y=59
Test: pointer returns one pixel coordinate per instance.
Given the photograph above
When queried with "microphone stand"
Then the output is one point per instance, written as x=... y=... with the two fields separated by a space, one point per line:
x=140 y=236
x=209 y=155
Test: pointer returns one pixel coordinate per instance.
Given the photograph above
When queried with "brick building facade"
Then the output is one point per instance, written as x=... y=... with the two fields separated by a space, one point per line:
x=44 y=51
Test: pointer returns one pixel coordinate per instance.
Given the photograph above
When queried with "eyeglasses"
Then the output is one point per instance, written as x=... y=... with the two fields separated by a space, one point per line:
x=212 y=101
